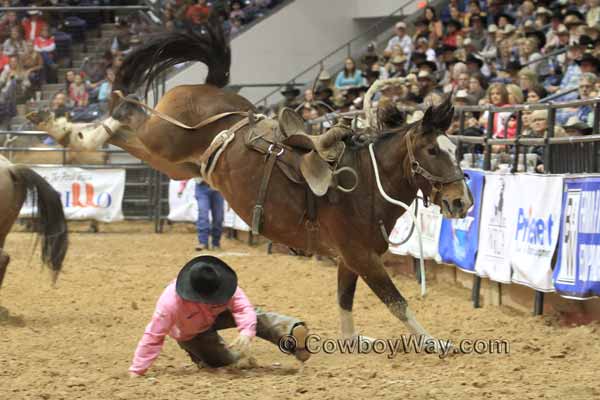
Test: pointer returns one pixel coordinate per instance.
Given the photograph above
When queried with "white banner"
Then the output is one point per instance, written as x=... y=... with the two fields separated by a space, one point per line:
x=85 y=193
x=430 y=223
x=535 y=234
x=184 y=208
x=498 y=217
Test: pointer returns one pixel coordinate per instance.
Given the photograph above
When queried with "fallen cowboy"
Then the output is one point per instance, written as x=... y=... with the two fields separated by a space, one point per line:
x=204 y=299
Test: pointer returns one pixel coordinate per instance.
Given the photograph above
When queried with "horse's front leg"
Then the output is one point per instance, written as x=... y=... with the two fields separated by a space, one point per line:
x=369 y=267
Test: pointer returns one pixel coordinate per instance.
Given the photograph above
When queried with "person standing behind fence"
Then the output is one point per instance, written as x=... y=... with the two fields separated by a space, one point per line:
x=208 y=200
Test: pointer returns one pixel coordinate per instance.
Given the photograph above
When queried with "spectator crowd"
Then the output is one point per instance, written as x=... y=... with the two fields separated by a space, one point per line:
x=500 y=52
x=35 y=44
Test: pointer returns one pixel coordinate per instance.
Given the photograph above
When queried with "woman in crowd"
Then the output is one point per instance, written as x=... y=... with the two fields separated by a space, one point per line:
x=350 y=76
x=434 y=25
x=497 y=96
x=14 y=71
x=34 y=66
x=14 y=45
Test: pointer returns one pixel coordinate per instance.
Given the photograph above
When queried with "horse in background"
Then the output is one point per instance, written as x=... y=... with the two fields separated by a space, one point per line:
x=59 y=157
x=15 y=182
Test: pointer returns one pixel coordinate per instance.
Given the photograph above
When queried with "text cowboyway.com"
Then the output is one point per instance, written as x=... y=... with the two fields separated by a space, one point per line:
x=391 y=347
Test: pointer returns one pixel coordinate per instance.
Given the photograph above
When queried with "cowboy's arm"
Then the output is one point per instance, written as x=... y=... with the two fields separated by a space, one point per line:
x=243 y=313
x=245 y=319
x=151 y=343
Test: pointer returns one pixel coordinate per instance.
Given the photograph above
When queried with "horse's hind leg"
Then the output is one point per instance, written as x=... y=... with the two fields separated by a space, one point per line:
x=4 y=260
x=346 y=288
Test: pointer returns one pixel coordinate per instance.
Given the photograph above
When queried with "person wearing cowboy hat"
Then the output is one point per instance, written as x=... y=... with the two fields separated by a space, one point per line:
x=575 y=127
x=203 y=299
x=290 y=98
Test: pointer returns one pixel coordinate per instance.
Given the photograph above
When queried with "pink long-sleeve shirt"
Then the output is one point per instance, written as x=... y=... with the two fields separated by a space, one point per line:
x=182 y=320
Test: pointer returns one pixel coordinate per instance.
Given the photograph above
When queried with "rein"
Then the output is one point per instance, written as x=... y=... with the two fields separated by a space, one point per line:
x=407 y=208
x=175 y=122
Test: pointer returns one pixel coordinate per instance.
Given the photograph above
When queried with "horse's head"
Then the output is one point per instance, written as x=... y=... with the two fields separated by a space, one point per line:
x=432 y=157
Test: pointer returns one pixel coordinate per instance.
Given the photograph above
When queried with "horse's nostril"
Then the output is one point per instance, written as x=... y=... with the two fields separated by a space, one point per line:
x=446 y=204
x=458 y=204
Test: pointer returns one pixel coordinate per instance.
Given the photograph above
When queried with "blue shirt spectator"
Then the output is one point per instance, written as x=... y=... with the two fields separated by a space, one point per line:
x=350 y=76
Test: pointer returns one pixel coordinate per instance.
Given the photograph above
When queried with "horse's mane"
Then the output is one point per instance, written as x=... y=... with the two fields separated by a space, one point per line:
x=364 y=137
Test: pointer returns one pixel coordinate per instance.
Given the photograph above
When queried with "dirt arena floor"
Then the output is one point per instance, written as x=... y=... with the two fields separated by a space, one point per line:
x=76 y=341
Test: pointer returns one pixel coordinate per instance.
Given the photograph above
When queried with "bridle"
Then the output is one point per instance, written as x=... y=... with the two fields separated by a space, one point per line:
x=417 y=169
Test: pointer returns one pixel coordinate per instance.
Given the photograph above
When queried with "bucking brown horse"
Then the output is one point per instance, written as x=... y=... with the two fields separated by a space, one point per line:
x=194 y=125
x=15 y=182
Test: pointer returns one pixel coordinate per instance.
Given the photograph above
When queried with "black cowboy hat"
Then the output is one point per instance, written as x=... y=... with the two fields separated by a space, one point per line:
x=455 y=23
x=471 y=58
x=446 y=47
x=589 y=58
x=206 y=279
x=539 y=35
x=574 y=12
x=289 y=89
x=432 y=66
x=510 y=18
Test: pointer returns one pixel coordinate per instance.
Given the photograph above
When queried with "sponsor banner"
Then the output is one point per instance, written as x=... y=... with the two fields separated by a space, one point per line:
x=577 y=271
x=184 y=208
x=496 y=227
x=535 y=233
x=459 y=237
x=430 y=223
x=85 y=193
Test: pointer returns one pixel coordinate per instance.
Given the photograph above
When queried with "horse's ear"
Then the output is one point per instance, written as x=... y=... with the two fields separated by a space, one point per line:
x=439 y=117
x=446 y=118
x=427 y=122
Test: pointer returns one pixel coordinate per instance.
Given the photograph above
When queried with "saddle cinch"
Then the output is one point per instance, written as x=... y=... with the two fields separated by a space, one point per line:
x=304 y=159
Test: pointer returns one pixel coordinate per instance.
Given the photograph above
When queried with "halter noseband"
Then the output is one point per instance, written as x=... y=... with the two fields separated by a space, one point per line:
x=417 y=169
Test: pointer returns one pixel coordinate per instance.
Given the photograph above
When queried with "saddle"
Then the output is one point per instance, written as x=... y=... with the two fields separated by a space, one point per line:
x=304 y=159
x=319 y=154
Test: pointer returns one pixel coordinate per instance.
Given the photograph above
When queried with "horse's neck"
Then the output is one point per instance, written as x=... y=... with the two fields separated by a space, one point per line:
x=393 y=166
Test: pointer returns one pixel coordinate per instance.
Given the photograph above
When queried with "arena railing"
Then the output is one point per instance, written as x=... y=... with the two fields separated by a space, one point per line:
x=571 y=154
x=142 y=195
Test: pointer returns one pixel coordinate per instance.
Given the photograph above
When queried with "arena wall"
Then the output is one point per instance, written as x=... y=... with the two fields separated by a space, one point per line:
x=493 y=294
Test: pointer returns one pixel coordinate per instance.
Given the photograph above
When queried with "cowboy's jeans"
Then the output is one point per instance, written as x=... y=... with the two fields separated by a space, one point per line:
x=209 y=200
x=209 y=347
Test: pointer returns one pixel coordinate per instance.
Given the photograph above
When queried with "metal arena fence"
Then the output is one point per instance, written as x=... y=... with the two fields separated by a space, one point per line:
x=147 y=190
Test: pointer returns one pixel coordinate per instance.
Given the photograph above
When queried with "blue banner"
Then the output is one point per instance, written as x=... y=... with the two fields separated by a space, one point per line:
x=459 y=237
x=577 y=271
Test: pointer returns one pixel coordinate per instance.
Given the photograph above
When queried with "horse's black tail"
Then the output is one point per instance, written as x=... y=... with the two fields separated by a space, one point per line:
x=52 y=224
x=207 y=44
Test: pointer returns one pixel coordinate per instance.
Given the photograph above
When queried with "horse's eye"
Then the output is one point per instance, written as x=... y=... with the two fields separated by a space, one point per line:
x=433 y=151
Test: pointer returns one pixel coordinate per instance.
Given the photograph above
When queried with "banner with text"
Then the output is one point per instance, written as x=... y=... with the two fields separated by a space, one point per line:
x=577 y=271
x=430 y=223
x=459 y=237
x=535 y=234
x=184 y=208
x=85 y=193
x=498 y=210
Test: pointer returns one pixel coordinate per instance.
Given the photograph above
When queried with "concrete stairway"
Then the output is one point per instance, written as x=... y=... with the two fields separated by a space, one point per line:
x=97 y=42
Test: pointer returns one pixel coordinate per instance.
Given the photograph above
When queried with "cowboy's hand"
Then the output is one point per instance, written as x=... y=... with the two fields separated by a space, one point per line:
x=242 y=343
